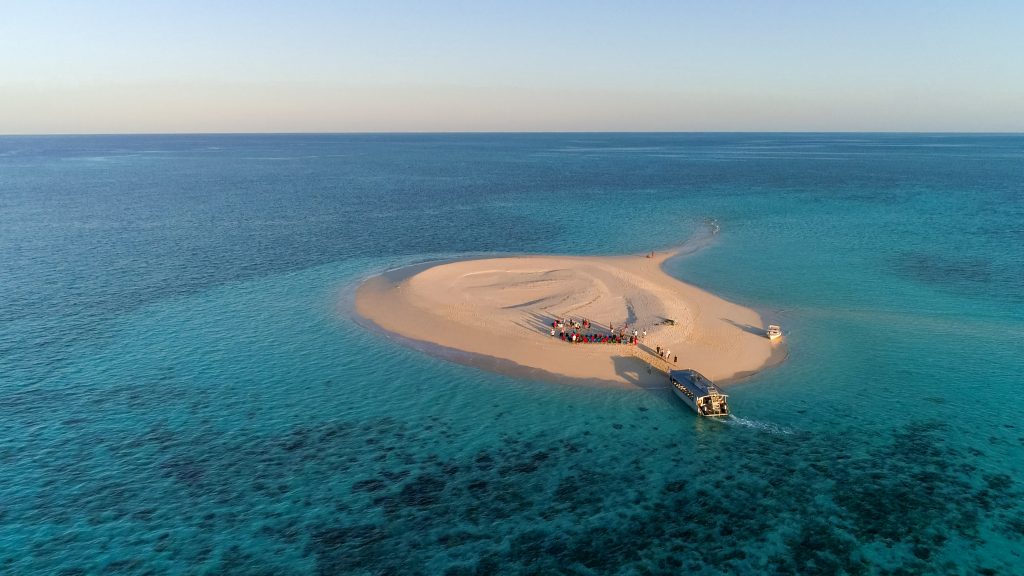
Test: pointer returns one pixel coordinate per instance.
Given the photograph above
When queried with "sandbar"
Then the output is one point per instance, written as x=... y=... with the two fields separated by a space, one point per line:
x=496 y=313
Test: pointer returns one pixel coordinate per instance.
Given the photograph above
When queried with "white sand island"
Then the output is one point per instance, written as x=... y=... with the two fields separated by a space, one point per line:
x=496 y=313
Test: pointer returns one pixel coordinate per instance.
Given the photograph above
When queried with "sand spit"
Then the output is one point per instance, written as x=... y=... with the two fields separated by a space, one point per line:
x=499 y=311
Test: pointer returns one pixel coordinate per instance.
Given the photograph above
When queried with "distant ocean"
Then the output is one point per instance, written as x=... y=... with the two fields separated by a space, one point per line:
x=182 y=390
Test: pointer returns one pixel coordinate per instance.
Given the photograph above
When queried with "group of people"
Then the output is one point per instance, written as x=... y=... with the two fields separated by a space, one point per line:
x=666 y=355
x=582 y=331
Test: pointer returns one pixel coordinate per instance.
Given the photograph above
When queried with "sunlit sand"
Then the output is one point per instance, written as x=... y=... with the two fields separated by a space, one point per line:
x=497 y=313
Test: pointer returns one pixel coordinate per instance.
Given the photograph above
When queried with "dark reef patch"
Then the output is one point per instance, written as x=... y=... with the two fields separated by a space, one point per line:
x=531 y=503
x=369 y=485
x=961 y=273
x=943 y=269
x=423 y=491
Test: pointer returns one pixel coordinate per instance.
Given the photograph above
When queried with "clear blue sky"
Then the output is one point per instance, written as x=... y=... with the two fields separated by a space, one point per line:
x=315 y=65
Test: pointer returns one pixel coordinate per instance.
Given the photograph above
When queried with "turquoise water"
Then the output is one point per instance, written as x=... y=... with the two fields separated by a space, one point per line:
x=183 y=391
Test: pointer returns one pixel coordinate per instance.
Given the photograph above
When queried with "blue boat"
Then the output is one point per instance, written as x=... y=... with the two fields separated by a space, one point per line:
x=699 y=393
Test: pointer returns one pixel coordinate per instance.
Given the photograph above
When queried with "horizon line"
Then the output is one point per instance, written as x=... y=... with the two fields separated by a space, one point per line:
x=510 y=132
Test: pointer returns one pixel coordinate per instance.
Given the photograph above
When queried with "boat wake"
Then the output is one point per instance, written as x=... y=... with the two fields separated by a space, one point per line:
x=757 y=425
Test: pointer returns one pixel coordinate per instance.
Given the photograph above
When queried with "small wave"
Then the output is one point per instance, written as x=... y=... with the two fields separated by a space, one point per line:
x=712 y=225
x=757 y=425
x=701 y=238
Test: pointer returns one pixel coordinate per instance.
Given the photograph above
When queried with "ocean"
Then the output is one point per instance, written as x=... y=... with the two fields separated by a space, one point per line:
x=183 y=388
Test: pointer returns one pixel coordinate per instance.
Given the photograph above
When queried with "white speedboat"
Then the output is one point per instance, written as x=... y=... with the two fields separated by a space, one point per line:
x=773 y=332
x=699 y=393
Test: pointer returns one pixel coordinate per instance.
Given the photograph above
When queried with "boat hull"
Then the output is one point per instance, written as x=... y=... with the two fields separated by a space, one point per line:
x=698 y=393
x=686 y=400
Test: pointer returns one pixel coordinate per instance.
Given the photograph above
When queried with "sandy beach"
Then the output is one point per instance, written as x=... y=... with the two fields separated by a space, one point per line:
x=500 y=310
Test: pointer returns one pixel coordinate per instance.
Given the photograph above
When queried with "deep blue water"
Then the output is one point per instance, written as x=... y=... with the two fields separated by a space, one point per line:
x=182 y=390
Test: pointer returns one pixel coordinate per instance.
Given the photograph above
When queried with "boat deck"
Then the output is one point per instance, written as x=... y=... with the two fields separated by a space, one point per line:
x=699 y=393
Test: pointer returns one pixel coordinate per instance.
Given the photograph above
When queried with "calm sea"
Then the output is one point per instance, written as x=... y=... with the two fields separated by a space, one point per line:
x=182 y=390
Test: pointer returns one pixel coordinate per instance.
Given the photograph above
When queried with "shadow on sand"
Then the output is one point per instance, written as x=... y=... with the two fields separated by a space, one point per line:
x=538 y=322
x=639 y=373
x=749 y=328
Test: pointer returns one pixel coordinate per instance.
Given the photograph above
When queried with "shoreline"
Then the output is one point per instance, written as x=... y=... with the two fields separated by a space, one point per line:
x=493 y=313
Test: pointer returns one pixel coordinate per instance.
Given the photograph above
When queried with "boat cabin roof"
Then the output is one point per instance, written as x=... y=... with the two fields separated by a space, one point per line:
x=695 y=381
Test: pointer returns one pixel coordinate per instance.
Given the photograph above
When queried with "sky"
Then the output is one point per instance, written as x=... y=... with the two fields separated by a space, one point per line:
x=119 y=66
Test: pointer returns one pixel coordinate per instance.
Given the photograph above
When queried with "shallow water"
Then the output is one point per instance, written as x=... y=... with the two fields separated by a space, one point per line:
x=181 y=389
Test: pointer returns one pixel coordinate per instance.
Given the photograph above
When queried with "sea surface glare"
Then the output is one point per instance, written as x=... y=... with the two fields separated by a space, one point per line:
x=183 y=388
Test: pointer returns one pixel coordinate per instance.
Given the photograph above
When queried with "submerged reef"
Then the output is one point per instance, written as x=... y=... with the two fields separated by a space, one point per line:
x=378 y=497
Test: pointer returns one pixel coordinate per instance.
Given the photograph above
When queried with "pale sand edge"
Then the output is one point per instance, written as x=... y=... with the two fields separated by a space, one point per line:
x=382 y=284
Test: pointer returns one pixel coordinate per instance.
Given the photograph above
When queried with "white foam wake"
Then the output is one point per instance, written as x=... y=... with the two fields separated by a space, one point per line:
x=757 y=425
